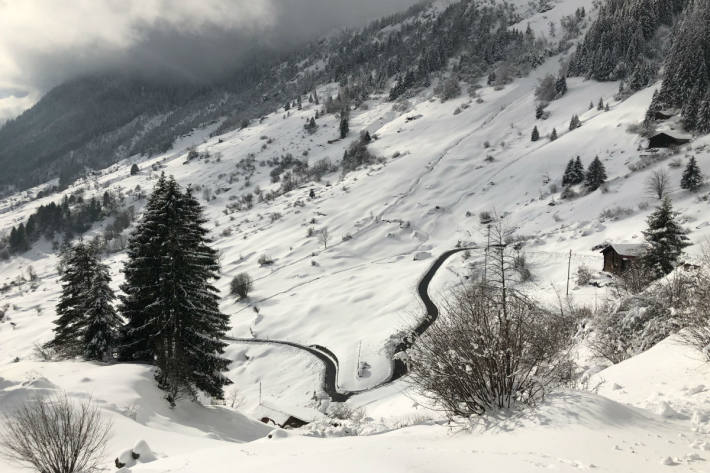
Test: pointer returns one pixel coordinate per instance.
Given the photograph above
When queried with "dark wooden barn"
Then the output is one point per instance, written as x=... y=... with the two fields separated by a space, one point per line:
x=618 y=257
x=664 y=140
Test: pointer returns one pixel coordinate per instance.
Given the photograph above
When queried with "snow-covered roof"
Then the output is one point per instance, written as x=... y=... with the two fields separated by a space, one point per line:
x=627 y=249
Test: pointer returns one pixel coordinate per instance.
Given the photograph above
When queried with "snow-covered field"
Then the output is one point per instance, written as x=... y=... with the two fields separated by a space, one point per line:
x=438 y=172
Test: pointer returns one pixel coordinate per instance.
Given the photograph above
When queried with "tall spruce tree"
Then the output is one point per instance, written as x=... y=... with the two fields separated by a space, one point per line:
x=179 y=324
x=568 y=176
x=101 y=325
x=692 y=177
x=596 y=175
x=77 y=266
x=578 y=171
x=142 y=273
x=87 y=324
x=666 y=239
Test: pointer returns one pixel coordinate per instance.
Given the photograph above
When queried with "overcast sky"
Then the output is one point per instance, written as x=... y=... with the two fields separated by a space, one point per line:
x=45 y=42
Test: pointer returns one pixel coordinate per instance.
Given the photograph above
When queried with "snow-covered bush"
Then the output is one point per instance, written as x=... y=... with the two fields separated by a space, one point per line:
x=488 y=350
x=265 y=260
x=584 y=275
x=636 y=325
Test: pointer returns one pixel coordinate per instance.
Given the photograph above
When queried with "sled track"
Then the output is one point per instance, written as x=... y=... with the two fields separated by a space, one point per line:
x=330 y=360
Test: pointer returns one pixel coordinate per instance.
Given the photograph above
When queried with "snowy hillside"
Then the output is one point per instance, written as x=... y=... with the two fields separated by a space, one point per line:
x=439 y=166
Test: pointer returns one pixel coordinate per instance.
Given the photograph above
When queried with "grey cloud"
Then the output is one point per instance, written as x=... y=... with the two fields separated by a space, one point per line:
x=176 y=47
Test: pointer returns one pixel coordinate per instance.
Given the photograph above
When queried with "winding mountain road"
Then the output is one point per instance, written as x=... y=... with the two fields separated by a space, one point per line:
x=330 y=360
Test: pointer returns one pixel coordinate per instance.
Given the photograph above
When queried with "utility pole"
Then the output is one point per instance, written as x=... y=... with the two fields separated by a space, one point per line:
x=359 y=349
x=569 y=264
x=485 y=258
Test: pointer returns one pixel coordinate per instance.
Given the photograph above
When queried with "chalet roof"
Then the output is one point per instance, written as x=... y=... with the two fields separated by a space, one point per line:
x=280 y=416
x=627 y=249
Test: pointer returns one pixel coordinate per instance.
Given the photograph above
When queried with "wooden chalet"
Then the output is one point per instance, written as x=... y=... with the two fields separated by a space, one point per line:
x=619 y=256
x=664 y=140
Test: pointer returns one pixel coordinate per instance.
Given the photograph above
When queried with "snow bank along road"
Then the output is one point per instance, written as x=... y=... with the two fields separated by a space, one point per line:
x=330 y=361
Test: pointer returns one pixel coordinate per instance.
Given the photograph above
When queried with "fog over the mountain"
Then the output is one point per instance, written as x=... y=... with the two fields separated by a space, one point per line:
x=44 y=42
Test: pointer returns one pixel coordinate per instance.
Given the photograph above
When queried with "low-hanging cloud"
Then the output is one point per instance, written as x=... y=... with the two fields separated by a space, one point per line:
x=45 y=42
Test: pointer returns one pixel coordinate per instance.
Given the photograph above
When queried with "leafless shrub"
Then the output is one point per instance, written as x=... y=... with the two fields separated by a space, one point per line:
x=616 y=213
x=634 y=280
x=241 y=285
x=55 y=435
x=341 y=411
x=520 y=265
x=489 y=349
x=43 y=353
x=584 y=275
x=697 y=318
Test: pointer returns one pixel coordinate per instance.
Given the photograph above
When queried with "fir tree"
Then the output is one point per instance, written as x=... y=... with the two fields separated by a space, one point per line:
x=19 y=243
x=692 y=177
x=574 y=123
x=560 y=87
x=77 y=268
x=535 y=134
x=666 y=239
x=568 y=177
x=87 y=324
x=553 y=135
x=600 y=105
x=142 y=272
x=578 y=171
x=596 y=175
x=344 y=127
x=171 y=306
x=101 y=324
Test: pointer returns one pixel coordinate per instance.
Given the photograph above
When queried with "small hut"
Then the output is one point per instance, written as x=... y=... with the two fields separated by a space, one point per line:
x=283 y=419
x=619 y=256
x=664 y=140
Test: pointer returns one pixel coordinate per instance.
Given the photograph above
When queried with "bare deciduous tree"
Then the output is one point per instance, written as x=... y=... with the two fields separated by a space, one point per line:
x=658 y=183
x=323 y=236
x=55 y=435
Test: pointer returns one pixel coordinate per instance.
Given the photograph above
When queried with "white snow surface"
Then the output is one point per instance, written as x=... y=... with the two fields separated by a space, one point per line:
x=649 y=413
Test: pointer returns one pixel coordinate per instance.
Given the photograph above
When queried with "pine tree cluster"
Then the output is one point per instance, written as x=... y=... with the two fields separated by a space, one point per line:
x=593 y=178
x=574 y=173
x=169 y=302
x=686 y=81
x=170 y=307
x=620 y=42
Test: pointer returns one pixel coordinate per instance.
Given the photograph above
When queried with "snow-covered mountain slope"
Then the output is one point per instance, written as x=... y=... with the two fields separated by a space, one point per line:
x=441 y=164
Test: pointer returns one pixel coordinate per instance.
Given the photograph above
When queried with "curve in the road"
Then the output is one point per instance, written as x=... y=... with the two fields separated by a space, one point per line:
x=330 y=360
